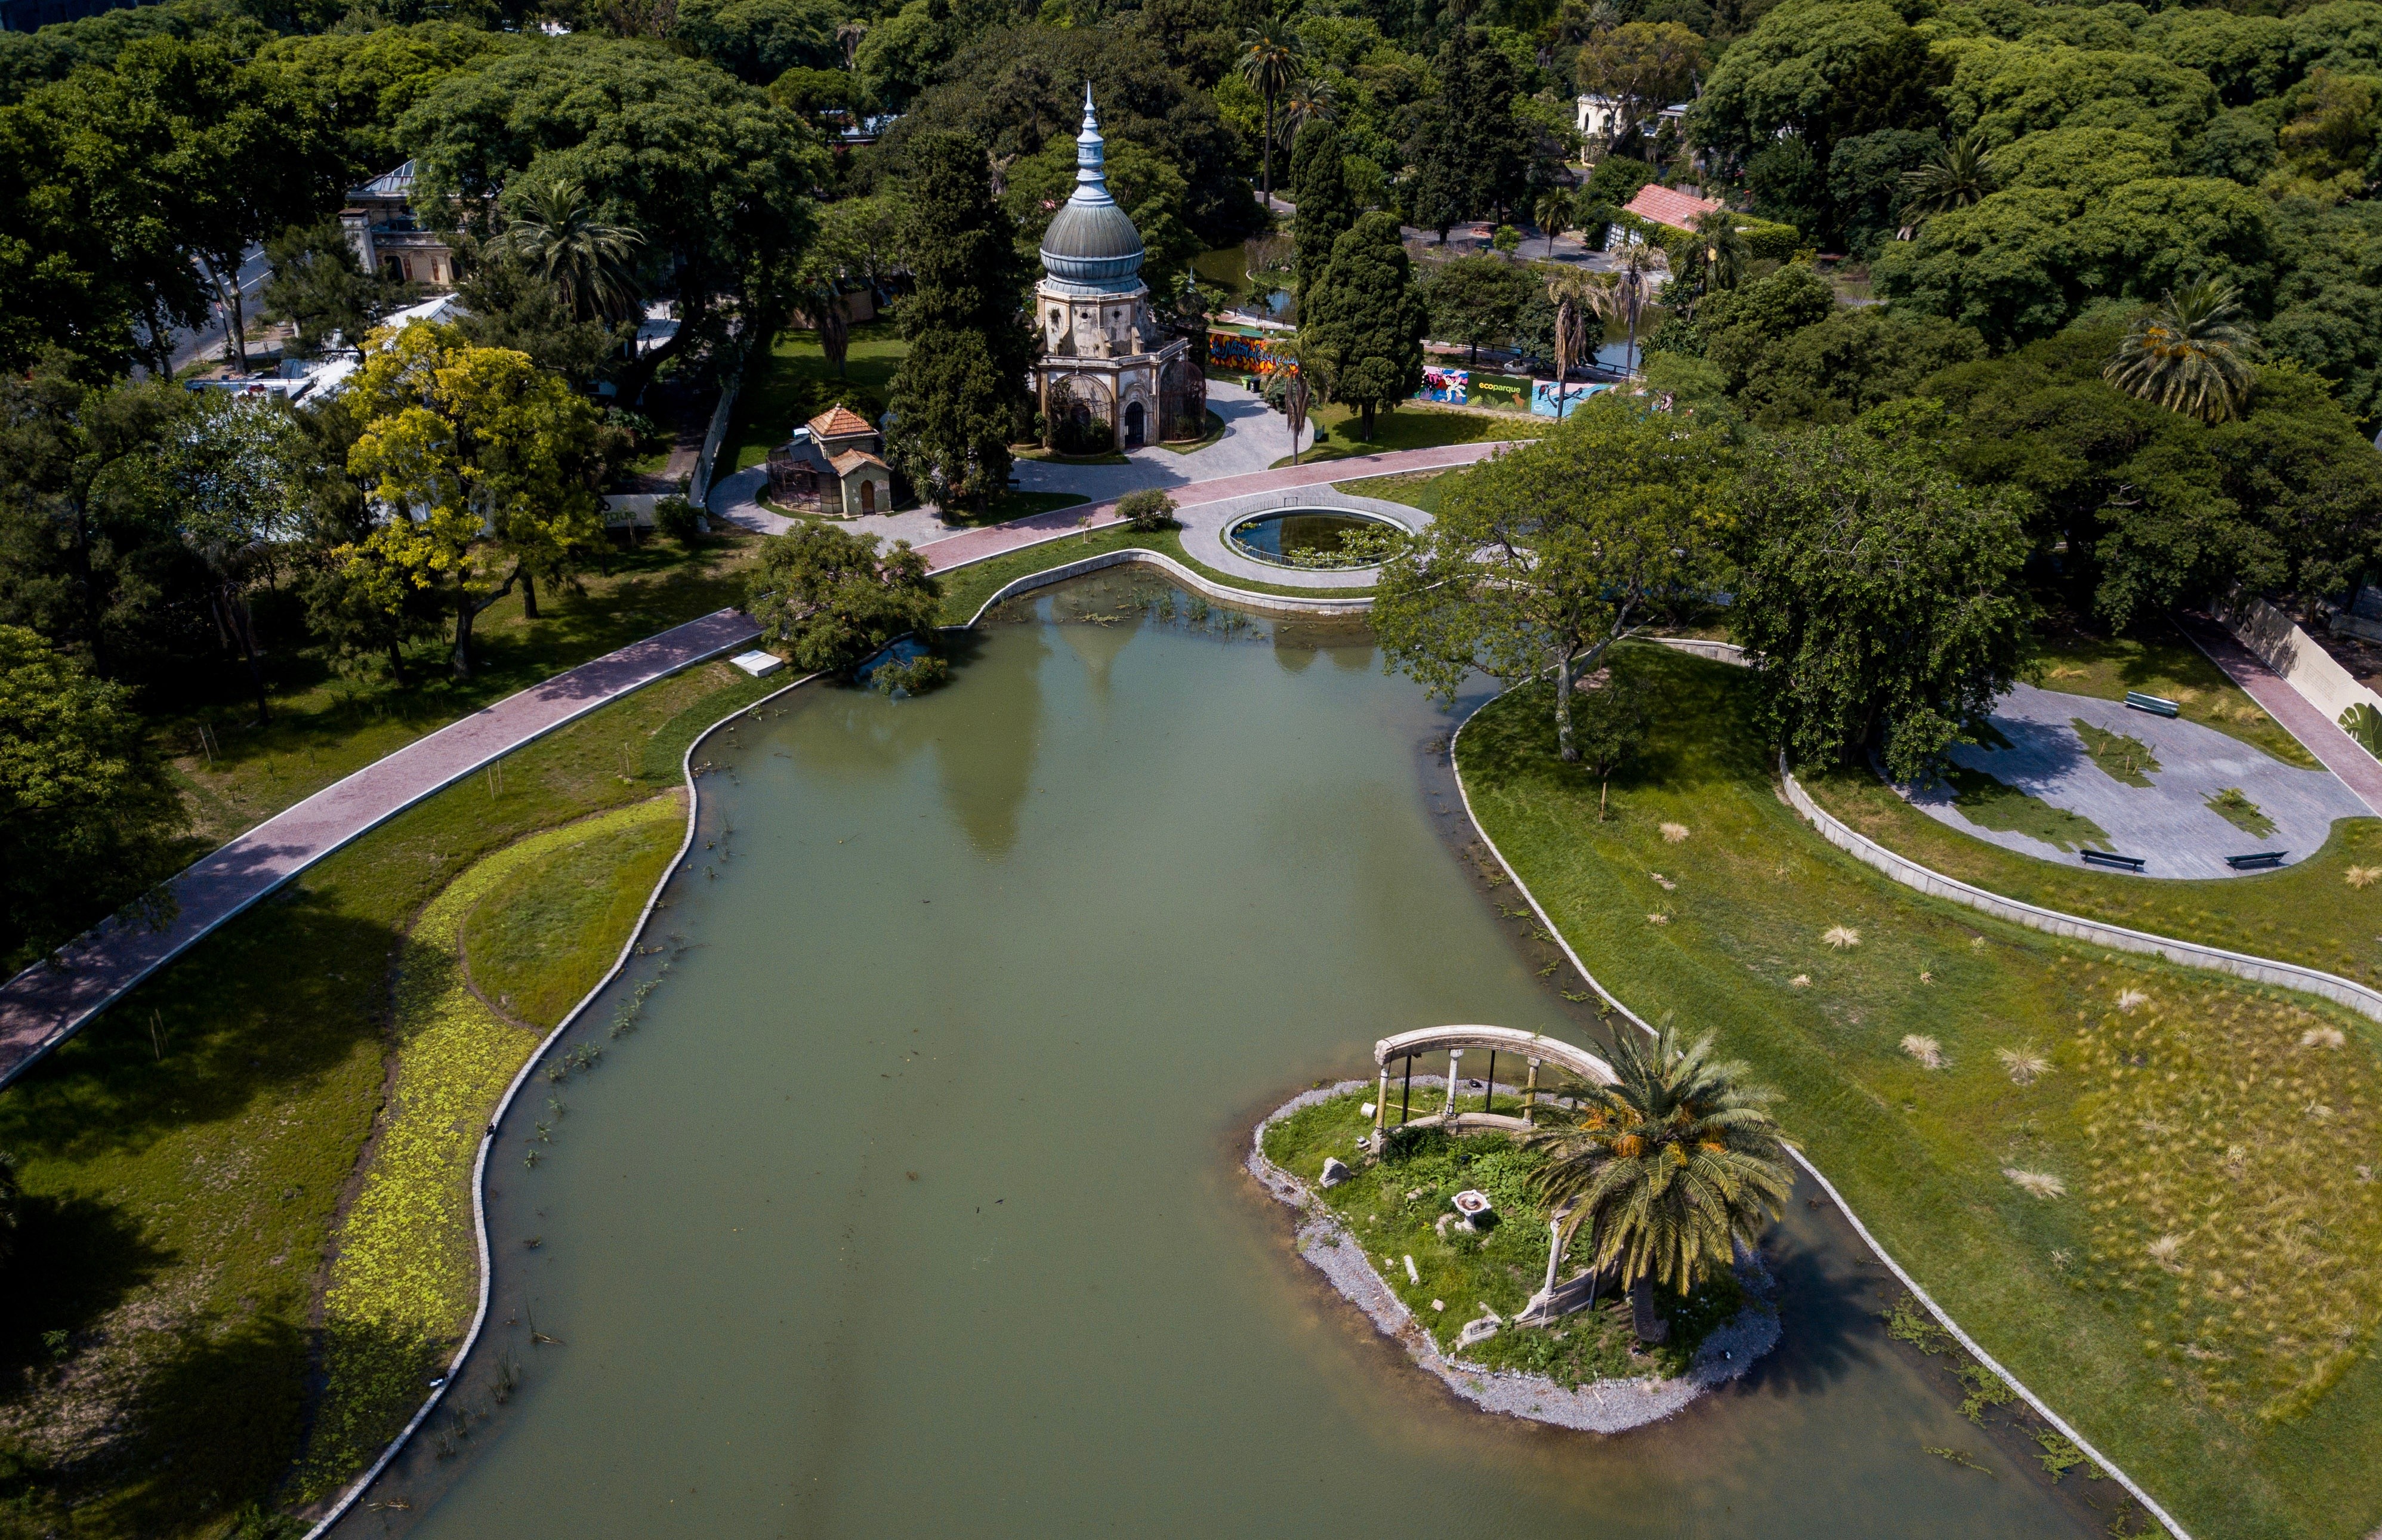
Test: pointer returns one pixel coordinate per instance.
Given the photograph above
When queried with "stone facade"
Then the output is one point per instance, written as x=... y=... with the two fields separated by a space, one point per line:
x=1103 y=361
x=381 y=228
x=832 y=465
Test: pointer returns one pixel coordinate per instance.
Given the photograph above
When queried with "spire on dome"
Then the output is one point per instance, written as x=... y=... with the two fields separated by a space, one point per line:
x=1091 y=157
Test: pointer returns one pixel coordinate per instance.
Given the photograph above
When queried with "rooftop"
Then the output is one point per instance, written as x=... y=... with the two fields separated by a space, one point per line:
x=840 y=422
x=1668 y=205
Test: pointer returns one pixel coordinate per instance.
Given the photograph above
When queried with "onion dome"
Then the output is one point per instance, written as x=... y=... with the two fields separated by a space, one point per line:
x=1091 y=241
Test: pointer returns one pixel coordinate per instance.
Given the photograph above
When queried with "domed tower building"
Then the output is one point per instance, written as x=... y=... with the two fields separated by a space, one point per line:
x=1102 y=359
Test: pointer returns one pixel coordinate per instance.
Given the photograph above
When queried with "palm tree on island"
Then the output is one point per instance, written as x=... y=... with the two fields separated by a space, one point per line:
x=1671 y=1167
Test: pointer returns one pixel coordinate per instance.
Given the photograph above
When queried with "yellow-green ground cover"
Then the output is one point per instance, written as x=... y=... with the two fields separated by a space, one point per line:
x=1414 y=488
x=184 y=1157
x=559 y=906
x=2151 y=1193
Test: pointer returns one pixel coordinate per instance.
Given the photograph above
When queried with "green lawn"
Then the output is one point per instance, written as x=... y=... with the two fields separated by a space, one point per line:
x=2198 y=1285
x=793 y=382
x=1413 y=427
x=2161 y=661
x=1422 y=489
x=556 y=908
x=1393 y=1208
x=187 y=1157
x=328 y=723
x=2313 y=913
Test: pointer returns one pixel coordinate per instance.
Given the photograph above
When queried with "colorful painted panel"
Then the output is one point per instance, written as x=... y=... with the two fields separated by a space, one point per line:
x=1236 y=353
x=1452 y=386
x=1547 y=401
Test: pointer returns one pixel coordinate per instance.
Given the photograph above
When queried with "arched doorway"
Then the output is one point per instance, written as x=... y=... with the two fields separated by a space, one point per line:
x=867 y=497
x=1133 y=425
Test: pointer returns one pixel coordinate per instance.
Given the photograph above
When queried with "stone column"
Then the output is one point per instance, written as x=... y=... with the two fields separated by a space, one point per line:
x=1530 y=1097
x=1381 y=1107
x=1454 y=1072
x=1554 y=1256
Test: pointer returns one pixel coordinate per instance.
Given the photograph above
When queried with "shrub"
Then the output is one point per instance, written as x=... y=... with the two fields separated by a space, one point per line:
x=911 y=676
x=677 y=519
x=1147 y=511
x=1768 y=242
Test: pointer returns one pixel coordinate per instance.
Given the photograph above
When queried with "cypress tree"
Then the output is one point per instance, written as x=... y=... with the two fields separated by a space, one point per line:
x=957 y=396
x=1326 y=208
x=1364 y=322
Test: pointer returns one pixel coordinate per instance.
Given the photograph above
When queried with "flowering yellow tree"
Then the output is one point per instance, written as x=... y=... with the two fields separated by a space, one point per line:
x=483 y=464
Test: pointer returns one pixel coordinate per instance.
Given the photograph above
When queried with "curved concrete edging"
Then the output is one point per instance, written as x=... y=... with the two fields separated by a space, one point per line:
x=504 y=1104
x=2357 y=997
x=1942 y=1316
x=1910 y=874
x=1242 y=598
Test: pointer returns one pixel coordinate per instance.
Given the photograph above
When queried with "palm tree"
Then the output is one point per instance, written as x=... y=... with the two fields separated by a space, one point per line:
x=1287 y=388
x=2190 y=354
x=1311 y=100
x=591 y=264
x=1633 y=288
x=1716 y=258
x=1271 y=67
x=1576 y=296
x=1670 y=1169
x=1960 y=174
x=1552 y=212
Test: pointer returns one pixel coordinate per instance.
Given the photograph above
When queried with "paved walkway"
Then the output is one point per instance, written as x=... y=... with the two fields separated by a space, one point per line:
x=46 y=1003
x=2168 y=823
x=1254 y=437
x=2321 y=735
x=49 y=1002
x=977 y=544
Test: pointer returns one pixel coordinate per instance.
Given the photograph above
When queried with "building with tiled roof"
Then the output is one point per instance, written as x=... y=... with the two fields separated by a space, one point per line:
x=833 y=464
x=1668 y=205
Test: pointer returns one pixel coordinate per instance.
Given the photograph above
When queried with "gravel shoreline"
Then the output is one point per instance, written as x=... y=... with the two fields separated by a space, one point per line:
x=1601 y=1406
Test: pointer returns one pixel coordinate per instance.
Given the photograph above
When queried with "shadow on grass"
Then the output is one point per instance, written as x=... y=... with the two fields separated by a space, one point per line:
x=257 y=1010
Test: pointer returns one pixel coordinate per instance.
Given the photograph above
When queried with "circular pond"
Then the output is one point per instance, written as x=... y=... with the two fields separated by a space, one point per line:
x=1310 y=537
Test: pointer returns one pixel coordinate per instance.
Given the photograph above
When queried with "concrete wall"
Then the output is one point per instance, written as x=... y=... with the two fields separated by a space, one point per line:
x=2295 y=655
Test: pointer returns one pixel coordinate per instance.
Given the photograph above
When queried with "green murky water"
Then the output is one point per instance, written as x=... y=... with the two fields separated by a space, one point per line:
x=914 y=1205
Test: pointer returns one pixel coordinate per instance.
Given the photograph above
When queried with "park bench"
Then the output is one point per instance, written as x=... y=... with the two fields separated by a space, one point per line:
x=2256 y=860
x=2158 y=705
x=2109 y=859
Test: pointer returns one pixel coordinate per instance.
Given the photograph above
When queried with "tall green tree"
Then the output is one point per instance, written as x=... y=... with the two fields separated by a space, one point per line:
x=716 y=177
x=89 y=815
x=1671 y=1168
x=1475 y=300
x=85 y=534
x=227 y=464
x=958 y=393
x=1318 y=183
x=832 y=601
x=320 y=288
x=1877 y=598
x=1269 y=62
x=1544 y=557
x=481 y=463
x=1364 y=322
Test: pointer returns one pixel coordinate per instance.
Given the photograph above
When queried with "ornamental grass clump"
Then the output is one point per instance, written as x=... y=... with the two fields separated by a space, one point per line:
x=2040 y=1184
x=1926 y=1050
x=1841 y=937
x=2222 y=1140
x=2025 y=1066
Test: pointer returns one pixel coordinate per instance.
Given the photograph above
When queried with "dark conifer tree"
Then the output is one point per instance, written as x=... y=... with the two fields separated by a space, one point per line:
x=1364 y=322
x=957 y=397
x=1326 y=208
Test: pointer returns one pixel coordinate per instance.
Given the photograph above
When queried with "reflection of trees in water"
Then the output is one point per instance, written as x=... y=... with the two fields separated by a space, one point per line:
x=1096 y=633
x=985 y=736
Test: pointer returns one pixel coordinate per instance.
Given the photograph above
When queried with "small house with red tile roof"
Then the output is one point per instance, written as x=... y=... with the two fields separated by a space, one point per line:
x=1668 y=205
x=833 y=465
